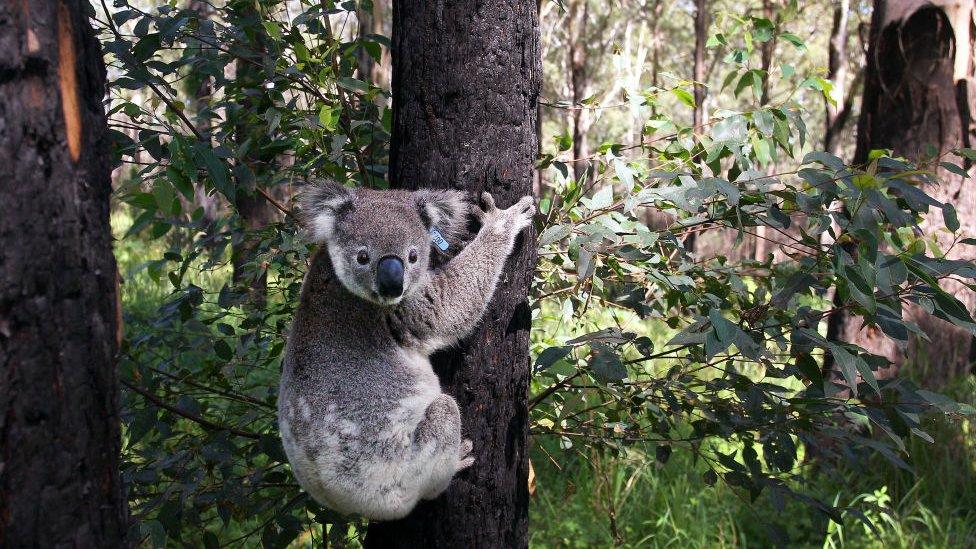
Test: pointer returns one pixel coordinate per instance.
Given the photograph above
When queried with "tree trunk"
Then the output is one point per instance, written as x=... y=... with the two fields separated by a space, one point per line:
x=254 y=168
x=374 y=22
x=701 y=36
x=576 y=35
x=767 y=49
x=918 y=92
x=657 y=40
x=200 y=92
x=838 y=112
x=466 y=79
x=59 y=322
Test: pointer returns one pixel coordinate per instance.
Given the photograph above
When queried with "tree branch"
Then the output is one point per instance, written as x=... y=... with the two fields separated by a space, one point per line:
x=205 y=423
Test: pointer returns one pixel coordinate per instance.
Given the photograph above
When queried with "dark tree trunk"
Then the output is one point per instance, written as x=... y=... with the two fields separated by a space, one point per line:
x=576 y=24
x=918 y=93
x=466 y=77
x=698 y=115
x=768 y=48
x=59 y=325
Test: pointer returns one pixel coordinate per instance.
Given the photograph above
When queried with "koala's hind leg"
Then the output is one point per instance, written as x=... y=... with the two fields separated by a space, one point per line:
x=441 y=430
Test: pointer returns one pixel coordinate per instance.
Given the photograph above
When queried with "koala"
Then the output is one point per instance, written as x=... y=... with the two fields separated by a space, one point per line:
x=364 y=422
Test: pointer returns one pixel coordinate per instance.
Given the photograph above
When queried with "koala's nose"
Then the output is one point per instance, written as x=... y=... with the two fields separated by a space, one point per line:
x=389 y=276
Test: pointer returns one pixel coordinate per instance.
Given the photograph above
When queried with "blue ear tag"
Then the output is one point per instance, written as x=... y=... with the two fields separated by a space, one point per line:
x=438 y=239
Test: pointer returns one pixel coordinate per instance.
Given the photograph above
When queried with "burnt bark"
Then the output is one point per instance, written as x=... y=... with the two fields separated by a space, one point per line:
x=59 y=322
x=918 y=93
x=466 y=79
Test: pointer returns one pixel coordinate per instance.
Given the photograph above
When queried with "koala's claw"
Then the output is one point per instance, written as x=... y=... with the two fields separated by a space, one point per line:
x=465 y=463
x=510 y=220
x=465 y=448
x=488 y=202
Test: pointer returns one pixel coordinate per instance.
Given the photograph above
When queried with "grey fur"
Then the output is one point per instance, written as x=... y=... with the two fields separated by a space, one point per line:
x=363 y=419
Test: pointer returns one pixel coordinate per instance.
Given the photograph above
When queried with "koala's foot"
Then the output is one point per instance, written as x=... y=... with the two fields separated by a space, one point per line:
x=465 y=459
x=510 y=220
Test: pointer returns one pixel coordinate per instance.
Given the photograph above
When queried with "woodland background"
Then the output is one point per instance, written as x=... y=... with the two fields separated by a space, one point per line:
x=751 y=311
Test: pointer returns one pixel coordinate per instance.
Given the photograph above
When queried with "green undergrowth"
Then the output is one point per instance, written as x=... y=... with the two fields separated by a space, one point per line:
x=633 y=501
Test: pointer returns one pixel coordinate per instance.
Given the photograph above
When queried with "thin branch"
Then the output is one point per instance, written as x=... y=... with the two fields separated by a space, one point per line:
x=205 y=423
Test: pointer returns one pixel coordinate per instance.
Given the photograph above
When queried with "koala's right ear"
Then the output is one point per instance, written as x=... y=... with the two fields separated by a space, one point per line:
x=447 y=210
x=321 y=202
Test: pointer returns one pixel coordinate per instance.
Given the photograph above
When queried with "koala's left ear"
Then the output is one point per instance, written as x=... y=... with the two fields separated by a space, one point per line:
x=321 y=203
x=445 y=209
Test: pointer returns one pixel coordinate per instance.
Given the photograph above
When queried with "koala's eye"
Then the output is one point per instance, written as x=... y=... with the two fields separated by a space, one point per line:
x=362 y=257
x=412 y=256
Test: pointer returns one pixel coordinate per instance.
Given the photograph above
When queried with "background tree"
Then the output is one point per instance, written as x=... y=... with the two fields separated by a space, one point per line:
x=918 y=102
x=256 y=154
x=838 y=103
x=59 y=316
x=464 y=108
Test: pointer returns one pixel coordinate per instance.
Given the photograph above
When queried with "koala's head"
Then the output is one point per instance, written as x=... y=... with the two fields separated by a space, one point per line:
x=380 y=241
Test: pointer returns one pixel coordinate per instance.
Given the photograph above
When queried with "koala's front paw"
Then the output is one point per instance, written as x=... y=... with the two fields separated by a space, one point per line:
x=509 y=221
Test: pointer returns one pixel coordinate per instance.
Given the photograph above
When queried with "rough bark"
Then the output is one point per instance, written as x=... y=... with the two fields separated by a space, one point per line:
x=466 y=77
x=918 y=92
x=59 y=325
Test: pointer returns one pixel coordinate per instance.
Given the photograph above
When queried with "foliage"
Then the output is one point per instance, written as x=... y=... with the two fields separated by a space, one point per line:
x=642 y=346
x=665 y=505
x=744 y=364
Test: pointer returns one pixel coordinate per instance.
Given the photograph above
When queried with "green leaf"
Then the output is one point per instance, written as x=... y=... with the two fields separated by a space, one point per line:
x=684 y=96
x=329 y=117
x=554 y=233
x=223 y=350
x=602 y=199
x=606 y=365
x=793 y=39
x=564 y=142
x=352 y=84
x=550 y=356
x=958 y=170
x=950 y=217
x=825 y=158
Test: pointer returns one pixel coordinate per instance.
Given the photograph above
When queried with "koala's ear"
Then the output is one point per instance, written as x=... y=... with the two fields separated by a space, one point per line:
x=321 y=202
x=444 y=209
